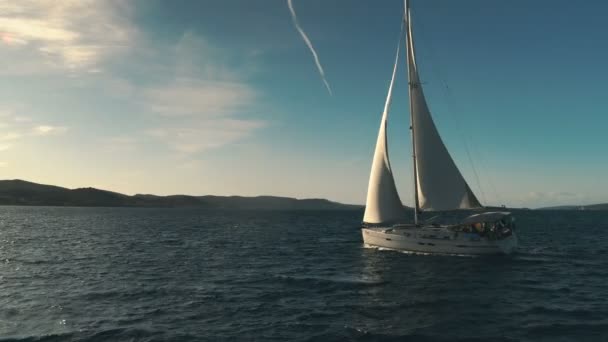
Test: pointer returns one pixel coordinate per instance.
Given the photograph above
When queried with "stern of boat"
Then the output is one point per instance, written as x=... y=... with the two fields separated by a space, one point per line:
x=509 y=244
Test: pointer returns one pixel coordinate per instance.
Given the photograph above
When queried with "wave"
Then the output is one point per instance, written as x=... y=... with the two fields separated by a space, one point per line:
x=337 y=240
x=334 y=279
x=34 y=261
x=115 y=335
x=579 y=314
x=359 y=334
x=45 y=338
x=131 y=293
x=580 y=330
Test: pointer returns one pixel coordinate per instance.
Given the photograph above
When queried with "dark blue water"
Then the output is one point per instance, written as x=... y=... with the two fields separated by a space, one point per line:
x=96 y=274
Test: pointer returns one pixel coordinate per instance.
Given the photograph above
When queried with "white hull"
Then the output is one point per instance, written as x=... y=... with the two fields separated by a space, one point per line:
x=438 y=240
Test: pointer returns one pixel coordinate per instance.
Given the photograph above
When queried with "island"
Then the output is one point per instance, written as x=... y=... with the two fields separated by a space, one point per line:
x=20 y=192
x=602 y=206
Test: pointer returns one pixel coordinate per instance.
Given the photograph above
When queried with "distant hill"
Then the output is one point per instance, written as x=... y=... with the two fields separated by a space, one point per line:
x=272 y=202
x=20 y=192
x=603 y=206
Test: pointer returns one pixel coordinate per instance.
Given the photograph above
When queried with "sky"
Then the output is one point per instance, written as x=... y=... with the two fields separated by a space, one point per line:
x=225 y=97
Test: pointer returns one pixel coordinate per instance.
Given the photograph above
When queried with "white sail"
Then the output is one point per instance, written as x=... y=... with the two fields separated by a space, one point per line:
x=440 y=185
x=383 y=203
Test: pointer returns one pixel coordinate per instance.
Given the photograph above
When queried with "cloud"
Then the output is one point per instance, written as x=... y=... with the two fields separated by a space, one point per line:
x=202 y=105
x=199 y=97
x=72 y=34
x=206 y=134
x=4 y=113
x=10 y=136
x=123 y=140
x=121 y=143
x=309 y=44
x=18 y=128
x=20 y=119
x=48 y=130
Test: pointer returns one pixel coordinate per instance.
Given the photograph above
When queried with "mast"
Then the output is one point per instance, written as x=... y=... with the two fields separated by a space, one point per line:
x=411 y=85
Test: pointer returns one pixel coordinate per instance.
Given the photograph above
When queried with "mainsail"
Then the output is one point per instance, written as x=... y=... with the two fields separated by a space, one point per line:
x=439 y=183
x=383 y=204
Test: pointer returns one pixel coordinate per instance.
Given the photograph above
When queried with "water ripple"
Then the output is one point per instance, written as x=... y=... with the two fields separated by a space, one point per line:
x=103 y=274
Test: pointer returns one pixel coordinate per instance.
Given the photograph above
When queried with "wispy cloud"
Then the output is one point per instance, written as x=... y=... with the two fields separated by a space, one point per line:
x=122 y=140
x=10 y=136
x=201 y=106
x=121 y=143
x=205 y=134
x=48 y=130
x=296 y=23
x=185 y=96
x=15 y=128
x=196 y=100
x=72 y=34
x=22 y=119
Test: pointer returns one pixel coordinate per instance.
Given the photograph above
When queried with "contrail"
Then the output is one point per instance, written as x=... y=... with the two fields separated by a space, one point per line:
x=309 y=44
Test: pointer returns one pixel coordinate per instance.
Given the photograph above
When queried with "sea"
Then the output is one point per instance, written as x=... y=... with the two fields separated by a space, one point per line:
x=133 y=274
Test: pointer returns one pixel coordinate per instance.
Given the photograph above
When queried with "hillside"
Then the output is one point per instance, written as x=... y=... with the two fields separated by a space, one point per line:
x=19 y=192
x=602 y=206
x=273 y=202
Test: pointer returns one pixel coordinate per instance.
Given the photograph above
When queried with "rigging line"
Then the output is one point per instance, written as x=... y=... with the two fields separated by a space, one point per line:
x=449 y=104
x=481 y=159
x=483 y=163
x=466 y=145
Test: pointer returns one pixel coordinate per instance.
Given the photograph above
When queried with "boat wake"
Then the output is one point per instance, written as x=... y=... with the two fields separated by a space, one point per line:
x=417 y=253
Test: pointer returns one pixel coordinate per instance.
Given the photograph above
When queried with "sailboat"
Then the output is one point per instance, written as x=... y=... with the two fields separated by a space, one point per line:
x=438 y=186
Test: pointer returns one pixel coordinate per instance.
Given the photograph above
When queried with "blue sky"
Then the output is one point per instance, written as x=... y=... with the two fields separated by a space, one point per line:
x=223 y=97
